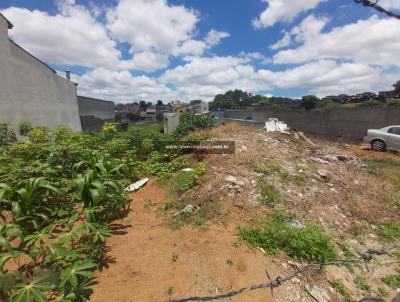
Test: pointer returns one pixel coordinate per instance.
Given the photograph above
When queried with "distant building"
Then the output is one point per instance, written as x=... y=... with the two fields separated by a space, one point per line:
x=386 y=95
x=151 y=114
x=162 y=109
x=199 y=108
x=180 y=108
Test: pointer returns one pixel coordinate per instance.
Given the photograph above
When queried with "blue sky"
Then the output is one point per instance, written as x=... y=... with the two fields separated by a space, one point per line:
x=129 y=50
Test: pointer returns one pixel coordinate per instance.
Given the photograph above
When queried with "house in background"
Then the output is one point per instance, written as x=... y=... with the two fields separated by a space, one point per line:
x=199 y=107
x=179 y=107
x=151 y=114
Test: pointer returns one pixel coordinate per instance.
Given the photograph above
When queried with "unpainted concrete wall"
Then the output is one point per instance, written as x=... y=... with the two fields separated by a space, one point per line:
x=346 y=123
x=94 y=113
x=31 y=91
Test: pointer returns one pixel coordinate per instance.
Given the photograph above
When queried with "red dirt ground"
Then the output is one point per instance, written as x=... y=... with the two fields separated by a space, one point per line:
x=145 y=268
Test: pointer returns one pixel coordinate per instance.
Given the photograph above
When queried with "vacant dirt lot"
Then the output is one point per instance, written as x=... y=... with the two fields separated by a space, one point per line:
x=347 y=190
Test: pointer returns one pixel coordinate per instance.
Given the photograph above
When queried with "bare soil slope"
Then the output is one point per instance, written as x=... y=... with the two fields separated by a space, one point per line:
x=153 y=262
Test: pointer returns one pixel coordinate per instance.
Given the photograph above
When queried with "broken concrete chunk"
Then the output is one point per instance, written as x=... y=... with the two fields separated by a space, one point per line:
x=323 y=173
x=318 y=293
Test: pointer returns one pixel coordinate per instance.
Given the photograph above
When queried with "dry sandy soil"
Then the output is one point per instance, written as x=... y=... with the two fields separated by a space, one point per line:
x=328 y=184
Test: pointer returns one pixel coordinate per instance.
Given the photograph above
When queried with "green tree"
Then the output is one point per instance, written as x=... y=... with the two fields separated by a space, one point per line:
x=133 y=116
x=142 y=105
x=397 y=87
x=309 y=101
x=159 y=103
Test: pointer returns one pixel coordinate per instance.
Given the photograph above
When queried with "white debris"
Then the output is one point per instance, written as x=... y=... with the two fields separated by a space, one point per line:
x=188 y=209
x=234 y=180
x=187 y=170
x=137 y=185
x=273 y=125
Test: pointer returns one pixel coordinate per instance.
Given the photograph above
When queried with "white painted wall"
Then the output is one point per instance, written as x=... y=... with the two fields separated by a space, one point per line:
x=31 y=91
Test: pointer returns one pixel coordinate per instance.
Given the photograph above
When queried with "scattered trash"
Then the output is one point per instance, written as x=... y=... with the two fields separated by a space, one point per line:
x=294 y=223
x=188 y=209
x=273 y=125
x=137 y=185
x=188 y=170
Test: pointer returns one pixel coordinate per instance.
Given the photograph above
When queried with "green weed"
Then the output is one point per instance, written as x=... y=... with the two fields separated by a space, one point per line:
x=185 y=180
x=275 y=233
x=389 y=231
x=392 y=281
x=383 y=292
x=342 y=289
x=362 y=284
x=269 y=195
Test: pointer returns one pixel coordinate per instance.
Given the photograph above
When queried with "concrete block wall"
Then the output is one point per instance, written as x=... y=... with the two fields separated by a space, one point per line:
x=94 y=113
x=345 y=123
x=31 y=91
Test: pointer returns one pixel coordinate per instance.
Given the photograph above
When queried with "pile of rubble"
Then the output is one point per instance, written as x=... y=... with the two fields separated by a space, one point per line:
x=320 y=182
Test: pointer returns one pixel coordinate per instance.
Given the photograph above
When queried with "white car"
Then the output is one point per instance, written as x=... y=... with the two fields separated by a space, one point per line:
x=387 y=138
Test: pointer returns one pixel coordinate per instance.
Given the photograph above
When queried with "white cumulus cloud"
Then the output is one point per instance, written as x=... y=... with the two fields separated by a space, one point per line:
x=372 y=41
x=283 y=11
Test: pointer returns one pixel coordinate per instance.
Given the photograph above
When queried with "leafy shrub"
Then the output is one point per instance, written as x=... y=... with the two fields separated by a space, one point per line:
x=109 y=128
x=189 y=122
x=24 y=128
x=277 y=233
x=38 y=135
x=371 y=103
x=7 y=135
x=394 y=102
x=278 y=107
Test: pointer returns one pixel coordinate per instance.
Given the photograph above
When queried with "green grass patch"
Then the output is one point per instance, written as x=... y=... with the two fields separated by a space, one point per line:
x=338 y=285
x=383 y=292
x=362 y=284
x=392 y=281
x=269 y=195
x=389 y=231
x=275 y=233
x=204 y=210
x=185 y=180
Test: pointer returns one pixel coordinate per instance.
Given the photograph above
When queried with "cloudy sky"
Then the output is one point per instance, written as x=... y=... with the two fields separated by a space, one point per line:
x=132 y=50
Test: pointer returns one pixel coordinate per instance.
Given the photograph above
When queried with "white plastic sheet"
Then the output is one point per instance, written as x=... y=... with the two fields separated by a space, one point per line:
x=273 y=125
x=137 y=185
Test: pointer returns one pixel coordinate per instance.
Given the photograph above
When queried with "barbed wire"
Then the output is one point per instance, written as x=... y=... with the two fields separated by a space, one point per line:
x=378 y=8
x=365 y=258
